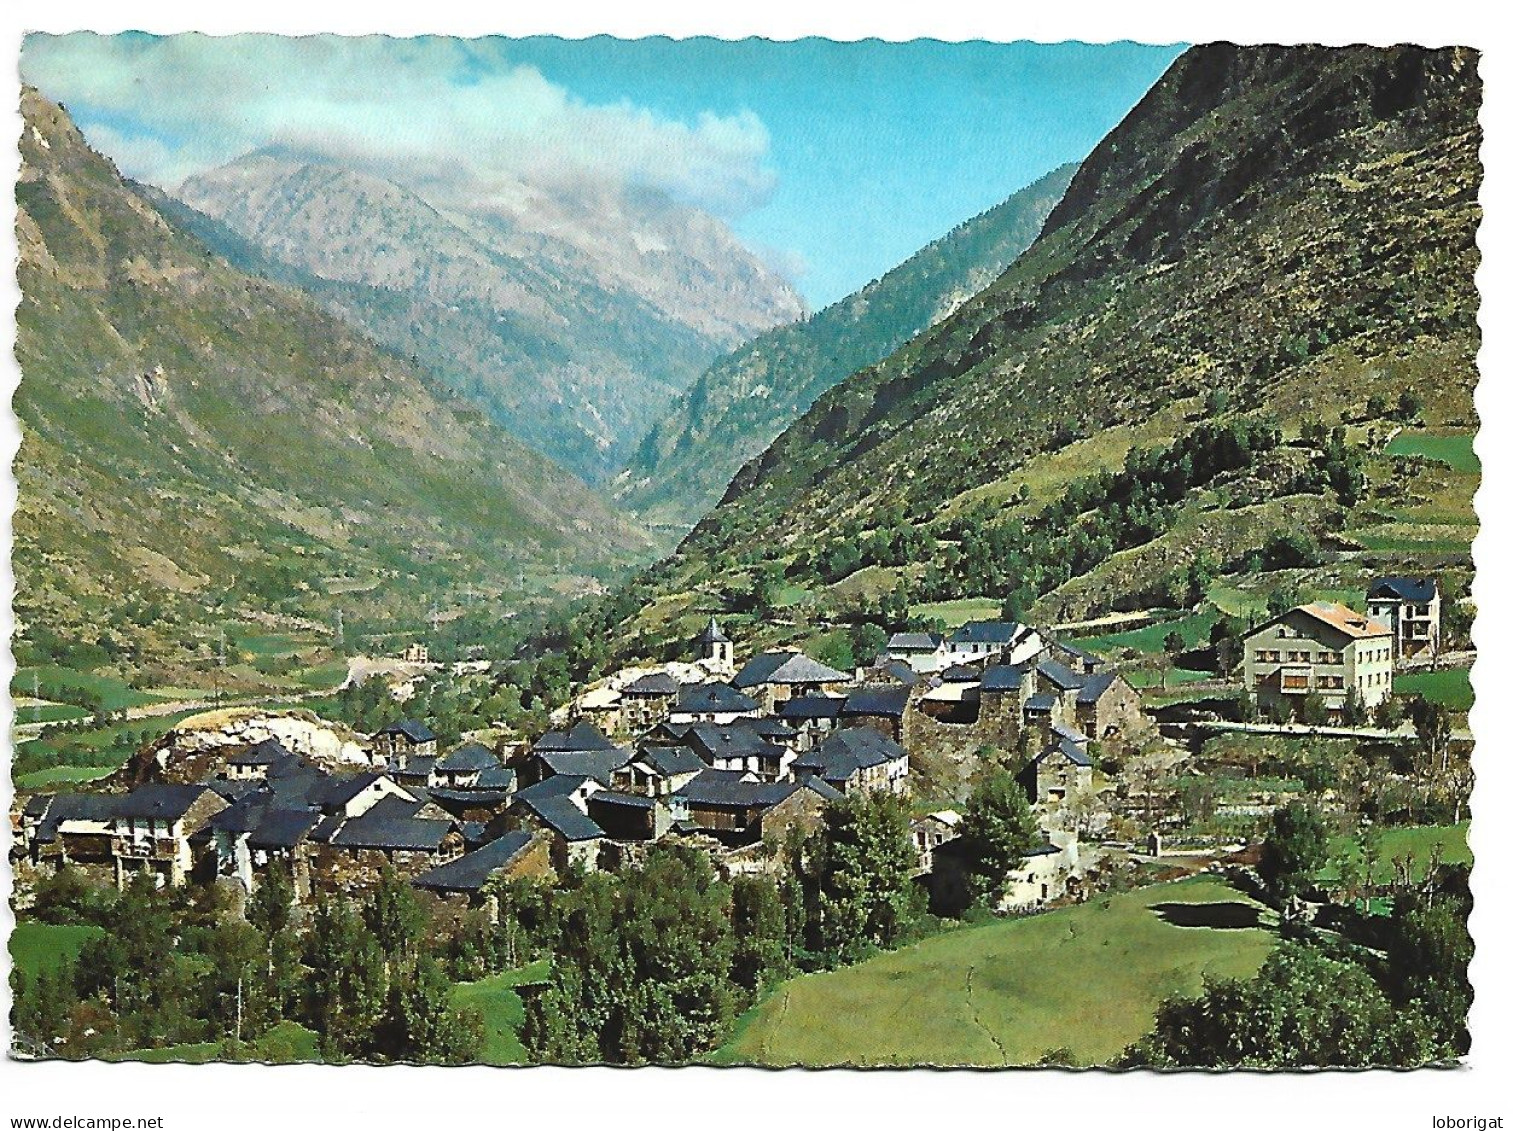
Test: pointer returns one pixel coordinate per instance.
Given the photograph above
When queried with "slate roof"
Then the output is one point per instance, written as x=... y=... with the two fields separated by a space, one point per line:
x=900 y=671
x=333 y=792
x=1418 y=590
x=373 y=830
x=1043 y=702
x=469 y=872
x=846 y=752
x=914 y=642
x=882 y=700
x=713 y=698
x=987 y=632
x=562 y=816
x=559 y=785
x=1003 y=677
x=582 y=735
x=75 y=807
x=1082 y=654
x=1073 y=751
x=159 y=801
x=465 y=759
x=266 y=753
x=416 y=732
x=712 y=634
x=654 y=683
x=728 y=789
x=621 y=800
x=417 y=769
x=670 y=760
x=785 y=668
x=234 y=791
x=961 y=673
x=1094 y=688
x=282 y=828
x=496 y=777
x=812 y=707
x=597 y=764
x=714 y=740
x=1060 y=676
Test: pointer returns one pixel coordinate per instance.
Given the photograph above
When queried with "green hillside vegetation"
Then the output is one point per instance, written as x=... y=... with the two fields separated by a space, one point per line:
x=1075 y=985
x=502 y=1011
x=1259 y=275
x=741 y=403
x=199 y=445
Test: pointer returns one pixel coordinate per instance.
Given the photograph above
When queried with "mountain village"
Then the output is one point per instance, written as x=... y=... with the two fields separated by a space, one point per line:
x=726 y=753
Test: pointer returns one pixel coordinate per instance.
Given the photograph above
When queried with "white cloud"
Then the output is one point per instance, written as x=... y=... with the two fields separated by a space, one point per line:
x=452 y=115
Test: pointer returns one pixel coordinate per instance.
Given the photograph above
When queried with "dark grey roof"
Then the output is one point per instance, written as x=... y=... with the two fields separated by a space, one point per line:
x=1059 y=675
x=620 y=800
x=597 y=764
x=282 y=828
x=582 y=735
x=496 y=777
x=465 y=797
x=235 y=790
x=654 y=683
x=1003 y=677
x=883 y=700
x=1078 y=653
x=987 y=632
x=961 y=673
x=913 y=642
x=465 y=759
x=1045 y=701
x=670 y=760
x=75 y=807
x=712 y=634
x=846 y=752
x=716 y=740
x=161 y=801
x=727 y=789
x=559 y=785
x=469 y=872
x=1096 y=685
x=408 y=728
x=900 y=671
x=821 y=787
x=1061 y=730
x=785 y=668
x=1072 y=749
x=714 y=698
x=36 y=805
x=812 y=707
x=418 y=769
x=561 y=815
x=773 y=730
x=1419 y=590
x=265 y=753
x=374 y=830
x=334 y=792
x=394 y=806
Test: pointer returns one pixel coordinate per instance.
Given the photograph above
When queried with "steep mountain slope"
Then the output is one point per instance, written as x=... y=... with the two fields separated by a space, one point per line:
x=573 y=316
x=742 y=402
x=198 y=443
x=1202 y=350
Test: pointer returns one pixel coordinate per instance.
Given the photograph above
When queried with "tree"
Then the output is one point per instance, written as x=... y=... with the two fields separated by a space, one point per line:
x=1303 y=1009
x=1353 y=714
x=997 y=831
x=1297 y=846
x=759 y=925
x=1312 y=711
x=1432 y=725
x=420 y=1025
x=856 y=875
x=393 y=915
x=271 y=907
x=1429 y=952
x=345 y=996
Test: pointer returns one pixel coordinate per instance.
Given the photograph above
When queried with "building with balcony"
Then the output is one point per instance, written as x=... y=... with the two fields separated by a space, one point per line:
x=1321 y=648
x=1409 y=606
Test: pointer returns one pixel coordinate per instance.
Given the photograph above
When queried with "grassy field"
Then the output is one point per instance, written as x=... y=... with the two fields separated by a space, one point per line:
x=1086 y=979
x=61 y=775
x=114 y=693
x=957 y=613
x=1451 y=448
x=1151 y=678
x=46 y=946
x=1450 y=686
x=1417 y=841
x=502 y=1010
x=49 y=713
x=1151 y=638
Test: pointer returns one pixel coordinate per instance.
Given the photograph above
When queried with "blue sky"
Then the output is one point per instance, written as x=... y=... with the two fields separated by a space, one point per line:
x=837 y=160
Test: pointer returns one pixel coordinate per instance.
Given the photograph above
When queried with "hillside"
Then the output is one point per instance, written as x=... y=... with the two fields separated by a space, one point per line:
x=1251 y=287
x=199 y=444
x=741 y=403
x=573 y=317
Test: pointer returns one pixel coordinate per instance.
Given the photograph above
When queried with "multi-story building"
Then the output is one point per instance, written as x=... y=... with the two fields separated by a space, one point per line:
x=1322 y=648
x=1409 y=606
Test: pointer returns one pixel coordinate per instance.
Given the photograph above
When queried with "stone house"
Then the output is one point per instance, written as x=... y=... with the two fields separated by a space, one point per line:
x=151 y=828
x=558 y=808
x=879 y=706
x=645 y=702
x=1046 y=874
x=1003 y=641
x=743 y=746
x=856 y=758
x=1321 y=648
x=465 y=879
x=774 y=677
x=1059 y=772
x=921 y=651
x=930 y=832
x=253 y=763
x=657 y=771
x=395 y=744
x=72 y=829
x=411 y=836
x=630 y=816
x=736 y=809
x=712 y=703
x=1410 y=607
x=812 y=717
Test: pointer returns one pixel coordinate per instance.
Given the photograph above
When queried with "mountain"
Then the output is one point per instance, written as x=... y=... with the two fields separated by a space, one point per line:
x=573 y=315
x=741 y=403
x=200 y=444
x=1259 y=279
